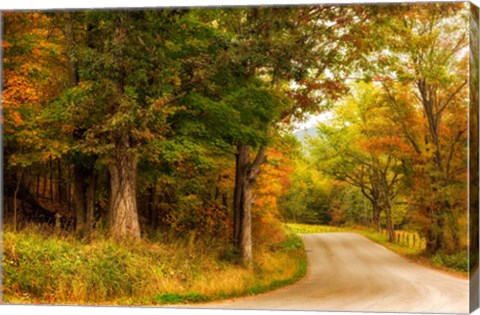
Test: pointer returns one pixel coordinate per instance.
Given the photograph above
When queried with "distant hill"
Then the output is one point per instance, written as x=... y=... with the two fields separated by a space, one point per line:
x=302 y=133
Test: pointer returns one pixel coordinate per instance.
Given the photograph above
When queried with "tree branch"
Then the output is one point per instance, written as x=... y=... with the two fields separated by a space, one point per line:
x=260 y=158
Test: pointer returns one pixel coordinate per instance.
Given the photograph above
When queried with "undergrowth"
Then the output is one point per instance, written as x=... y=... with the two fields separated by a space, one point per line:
x=42 y=267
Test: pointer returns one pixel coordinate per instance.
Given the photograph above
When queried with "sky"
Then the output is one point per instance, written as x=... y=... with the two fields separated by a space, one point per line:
x=314 y=120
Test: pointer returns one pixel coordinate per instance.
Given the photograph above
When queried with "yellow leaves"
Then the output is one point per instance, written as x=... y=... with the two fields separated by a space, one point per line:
x=176 y=81
x=16 y=118
x=143 y=134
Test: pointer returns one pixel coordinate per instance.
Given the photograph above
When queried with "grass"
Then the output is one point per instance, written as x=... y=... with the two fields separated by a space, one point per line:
x=457 y=263
x=310 y=228
x=399 y=248
x=43 y=267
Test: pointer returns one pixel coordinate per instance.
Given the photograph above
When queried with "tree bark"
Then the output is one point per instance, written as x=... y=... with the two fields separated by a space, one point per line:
x=90 y=200
x=15 y=223
x=70 y=37
x=388 y=217
x=241 y=166
x=123 y=202
x=376 y=209
x=61 y=185
x=246 y=231
x=37 y=186
x=51 y=180
x=84 y=178
x=246 y=173
x=434 y=237
x=79 y=195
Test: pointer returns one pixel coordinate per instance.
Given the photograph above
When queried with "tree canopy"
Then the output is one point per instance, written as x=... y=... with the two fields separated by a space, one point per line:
x=135 y=121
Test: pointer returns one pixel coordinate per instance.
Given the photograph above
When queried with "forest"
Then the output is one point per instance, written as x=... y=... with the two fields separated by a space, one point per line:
x=168 y=138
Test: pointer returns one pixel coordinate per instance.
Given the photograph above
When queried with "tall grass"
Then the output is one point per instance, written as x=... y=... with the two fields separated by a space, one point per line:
x=51 y=268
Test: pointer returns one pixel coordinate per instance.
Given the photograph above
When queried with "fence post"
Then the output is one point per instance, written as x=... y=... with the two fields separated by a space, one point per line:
x=398 y=238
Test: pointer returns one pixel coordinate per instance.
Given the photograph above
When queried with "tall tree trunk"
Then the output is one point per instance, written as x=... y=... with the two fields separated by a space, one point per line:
x=84 y=178
x=44 y=182
x=387 y=204
x=15 y=210
x=80 y=189
x=246 y=173
x=69 y=187
x=37 y=185
x=388 y=217
x=90 y=200
x=242 y=197
x=70 y=37
x=123 y=201
x=217 y=188
x=241 y=166
x=51 y=179
x=246 y=231
x=225 y=199
x=61 y=185
x=376 y=209
x=434 y=237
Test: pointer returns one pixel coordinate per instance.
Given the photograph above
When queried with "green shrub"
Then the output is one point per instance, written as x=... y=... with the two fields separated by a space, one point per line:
x=457 y=261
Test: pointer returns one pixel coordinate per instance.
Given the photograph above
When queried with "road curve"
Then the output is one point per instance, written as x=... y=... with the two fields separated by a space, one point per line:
x=348 y=272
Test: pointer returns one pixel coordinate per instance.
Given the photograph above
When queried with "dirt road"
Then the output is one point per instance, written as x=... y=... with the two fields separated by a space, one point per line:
x=348 y=272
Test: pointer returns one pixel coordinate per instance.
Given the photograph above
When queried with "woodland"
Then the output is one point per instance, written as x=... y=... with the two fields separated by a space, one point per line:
x=172 y=134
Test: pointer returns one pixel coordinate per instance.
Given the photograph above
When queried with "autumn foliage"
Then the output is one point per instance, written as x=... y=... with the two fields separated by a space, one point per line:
x=173 y=124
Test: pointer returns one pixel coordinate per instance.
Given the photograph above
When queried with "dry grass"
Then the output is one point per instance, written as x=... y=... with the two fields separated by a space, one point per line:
x=44 y=267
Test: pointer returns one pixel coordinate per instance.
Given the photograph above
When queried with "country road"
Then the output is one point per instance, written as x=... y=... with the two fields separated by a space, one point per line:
x=348 y=272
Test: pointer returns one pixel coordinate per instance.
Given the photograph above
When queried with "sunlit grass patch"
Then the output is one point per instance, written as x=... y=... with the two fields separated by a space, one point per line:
x=49 y=268
x=310 y=228
x=400 y=248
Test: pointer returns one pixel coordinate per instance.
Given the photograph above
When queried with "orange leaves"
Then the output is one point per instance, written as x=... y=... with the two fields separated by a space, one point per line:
x=31 y=77
x=18 y=93
x=273 y=182
x=6 y=44
x=16 y=118
x=392 y=144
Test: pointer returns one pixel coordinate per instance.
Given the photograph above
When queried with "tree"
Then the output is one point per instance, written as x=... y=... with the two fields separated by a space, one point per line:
x=275 y=71
x=428 y=59
x=125 y=89
x=30 y=79
x=358 y=146
x=309 y=195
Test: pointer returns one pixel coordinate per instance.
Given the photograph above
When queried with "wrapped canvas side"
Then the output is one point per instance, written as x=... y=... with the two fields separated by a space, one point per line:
x=473 y=146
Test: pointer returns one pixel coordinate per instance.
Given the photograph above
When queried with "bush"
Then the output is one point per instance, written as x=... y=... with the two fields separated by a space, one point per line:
x=457 y=261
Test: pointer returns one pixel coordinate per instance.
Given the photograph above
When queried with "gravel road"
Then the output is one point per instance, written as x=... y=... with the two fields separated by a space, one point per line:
x=348 y=272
